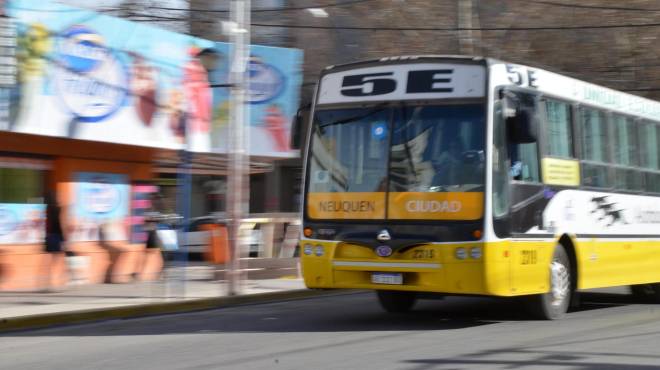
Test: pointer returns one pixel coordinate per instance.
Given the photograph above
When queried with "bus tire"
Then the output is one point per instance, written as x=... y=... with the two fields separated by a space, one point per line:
x=554 y=304
x=396 y=301
x=648 y=293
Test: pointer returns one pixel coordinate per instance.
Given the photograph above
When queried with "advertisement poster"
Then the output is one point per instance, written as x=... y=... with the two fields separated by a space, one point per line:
x=102 y=78
x=140 y=204
x=101 y=206
x=274 y=79
x=22 y=223
x=142 y=86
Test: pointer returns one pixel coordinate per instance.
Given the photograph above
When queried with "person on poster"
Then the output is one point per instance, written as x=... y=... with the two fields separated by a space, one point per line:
x=275 y=123
x=143 y=88
x=197 y=94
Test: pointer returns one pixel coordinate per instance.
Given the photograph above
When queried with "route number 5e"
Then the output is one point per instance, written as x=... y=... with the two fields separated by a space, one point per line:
x=368 y=84
x=423 y=81
x=521 y=76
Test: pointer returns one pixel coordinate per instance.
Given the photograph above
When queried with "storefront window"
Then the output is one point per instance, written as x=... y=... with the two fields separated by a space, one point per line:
x=21 y=185
x=21 y=195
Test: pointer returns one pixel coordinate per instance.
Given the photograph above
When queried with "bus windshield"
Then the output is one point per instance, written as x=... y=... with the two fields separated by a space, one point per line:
x=387 y=162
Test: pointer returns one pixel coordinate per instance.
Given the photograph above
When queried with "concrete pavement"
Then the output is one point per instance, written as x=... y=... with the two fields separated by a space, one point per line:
x=172 y=294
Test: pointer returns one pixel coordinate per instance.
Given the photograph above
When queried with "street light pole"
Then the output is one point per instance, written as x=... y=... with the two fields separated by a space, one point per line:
x=238 y=114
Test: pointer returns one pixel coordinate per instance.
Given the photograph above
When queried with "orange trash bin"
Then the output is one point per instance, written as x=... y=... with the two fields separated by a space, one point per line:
x=217 y=251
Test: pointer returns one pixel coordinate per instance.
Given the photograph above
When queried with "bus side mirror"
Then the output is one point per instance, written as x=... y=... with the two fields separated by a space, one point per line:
x=521 y=119
x=523 y=126
x=296 y=127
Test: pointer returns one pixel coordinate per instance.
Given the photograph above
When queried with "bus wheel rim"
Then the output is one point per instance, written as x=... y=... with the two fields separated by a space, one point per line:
x=560 y=280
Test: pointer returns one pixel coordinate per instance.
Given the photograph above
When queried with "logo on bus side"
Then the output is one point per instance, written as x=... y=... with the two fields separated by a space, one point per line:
x=607 y=210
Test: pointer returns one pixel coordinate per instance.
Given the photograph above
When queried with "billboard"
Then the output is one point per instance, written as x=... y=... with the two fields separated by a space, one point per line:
x=86 y=75
x=274 y=81
x=89 y=76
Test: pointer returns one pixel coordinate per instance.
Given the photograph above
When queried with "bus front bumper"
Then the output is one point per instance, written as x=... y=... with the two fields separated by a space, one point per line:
x=351 y=267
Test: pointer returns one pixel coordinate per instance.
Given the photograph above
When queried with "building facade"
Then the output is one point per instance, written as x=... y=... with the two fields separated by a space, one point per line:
x=102 y=118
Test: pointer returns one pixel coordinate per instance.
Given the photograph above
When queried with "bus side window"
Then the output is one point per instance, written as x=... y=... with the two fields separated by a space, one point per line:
x=515 y=172
x=524 y=162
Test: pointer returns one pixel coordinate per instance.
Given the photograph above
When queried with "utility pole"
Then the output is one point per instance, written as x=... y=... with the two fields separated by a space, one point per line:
x=468 y=21
x=238 y=191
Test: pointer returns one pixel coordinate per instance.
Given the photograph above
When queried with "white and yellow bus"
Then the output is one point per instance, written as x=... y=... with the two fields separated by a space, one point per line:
x=473 y=176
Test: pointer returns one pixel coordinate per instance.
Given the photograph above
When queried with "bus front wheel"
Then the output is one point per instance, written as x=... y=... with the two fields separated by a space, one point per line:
x=396 y=302
x=647 y=292
x=554 y=304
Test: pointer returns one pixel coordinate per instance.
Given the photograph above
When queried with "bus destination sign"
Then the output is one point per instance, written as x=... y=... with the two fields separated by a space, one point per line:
x=403 y=82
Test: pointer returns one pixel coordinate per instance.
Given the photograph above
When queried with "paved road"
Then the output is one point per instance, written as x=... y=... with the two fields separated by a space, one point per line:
x=349 y=331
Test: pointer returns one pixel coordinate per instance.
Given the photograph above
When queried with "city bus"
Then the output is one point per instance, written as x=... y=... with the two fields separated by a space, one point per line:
x=473 y=176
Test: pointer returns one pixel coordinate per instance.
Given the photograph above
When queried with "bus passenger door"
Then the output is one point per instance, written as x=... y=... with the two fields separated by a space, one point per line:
x=529 y=272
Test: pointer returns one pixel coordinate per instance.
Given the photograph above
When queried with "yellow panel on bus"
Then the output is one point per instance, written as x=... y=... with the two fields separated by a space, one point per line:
x=436 y=206
x=565 y=172
x=346 y=206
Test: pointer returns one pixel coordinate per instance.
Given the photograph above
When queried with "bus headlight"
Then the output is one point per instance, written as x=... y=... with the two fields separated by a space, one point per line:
x=475 y=253
x=460 y=253
x=308 y=249
x=320 y=251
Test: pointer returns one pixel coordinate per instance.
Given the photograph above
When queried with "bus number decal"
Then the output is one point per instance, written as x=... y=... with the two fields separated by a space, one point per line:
x=423 y=254
x=529 y=257
x=521 y=76
x=421 y=81
x=434 y=80
x=368 y=84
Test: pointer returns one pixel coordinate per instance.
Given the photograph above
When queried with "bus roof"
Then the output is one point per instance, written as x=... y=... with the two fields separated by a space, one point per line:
x=406 y=58
x=571 y=89
x=547 y=82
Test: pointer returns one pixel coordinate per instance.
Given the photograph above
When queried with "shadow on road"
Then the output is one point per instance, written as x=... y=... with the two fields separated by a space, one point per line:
x=574 y=362
x=540 y=356
x=594 y=301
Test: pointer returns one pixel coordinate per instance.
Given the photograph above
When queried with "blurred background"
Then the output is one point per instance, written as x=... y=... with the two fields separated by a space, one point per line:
x=123 y=111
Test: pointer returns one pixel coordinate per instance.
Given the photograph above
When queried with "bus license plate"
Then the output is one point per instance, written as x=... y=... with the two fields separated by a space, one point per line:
x=387 y=278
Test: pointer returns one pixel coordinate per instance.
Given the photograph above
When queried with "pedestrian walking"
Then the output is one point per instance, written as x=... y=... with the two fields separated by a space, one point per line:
x=151 y=219
x=53 y=242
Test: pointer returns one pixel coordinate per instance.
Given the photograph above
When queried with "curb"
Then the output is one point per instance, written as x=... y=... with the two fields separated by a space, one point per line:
x=151 y=309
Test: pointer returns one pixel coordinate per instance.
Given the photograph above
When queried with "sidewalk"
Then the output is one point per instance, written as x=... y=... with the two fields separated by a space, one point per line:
x=84 y=303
